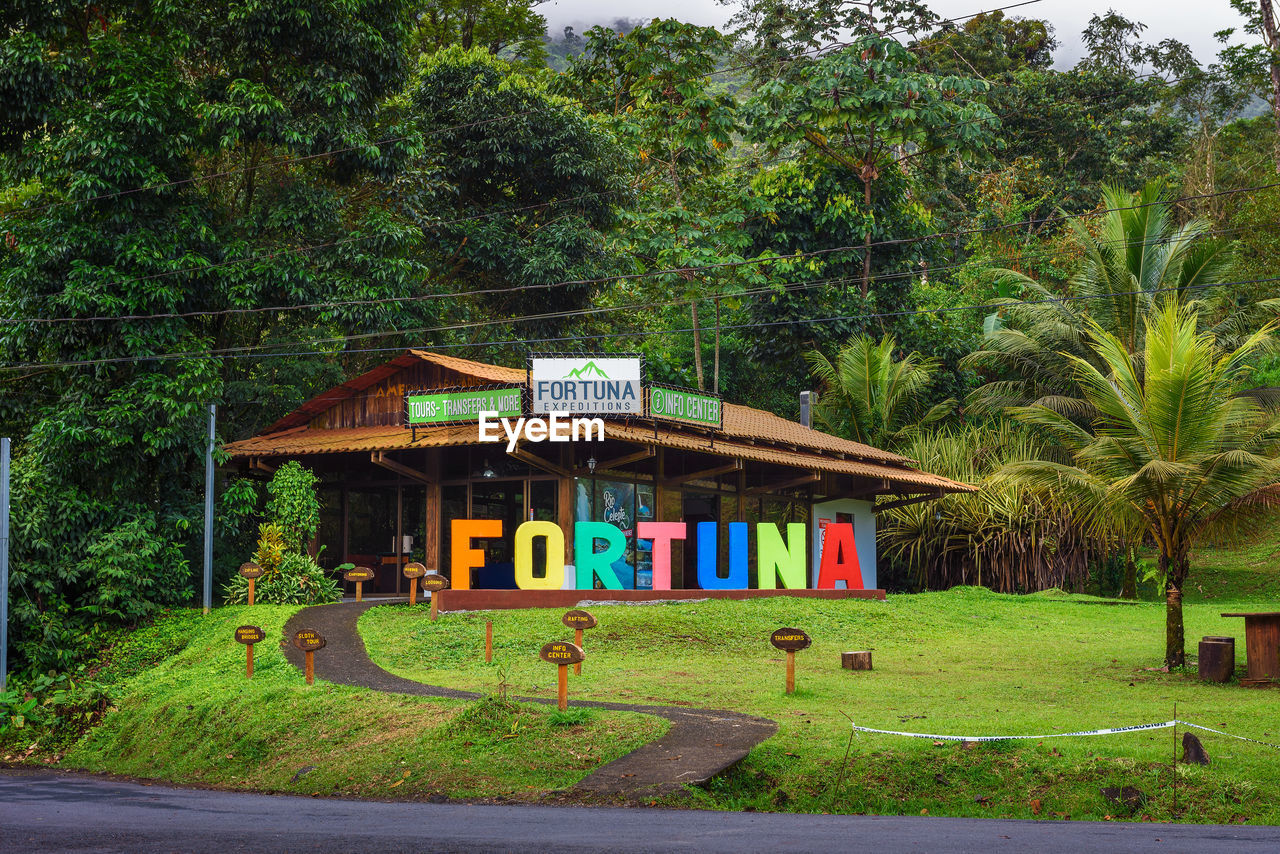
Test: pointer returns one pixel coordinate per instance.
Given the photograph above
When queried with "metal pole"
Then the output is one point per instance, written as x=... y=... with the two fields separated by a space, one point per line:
x=208 y=509
x=4 y=562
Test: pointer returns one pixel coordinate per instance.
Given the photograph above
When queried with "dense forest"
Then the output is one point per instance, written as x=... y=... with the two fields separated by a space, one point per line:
x=1022 y=276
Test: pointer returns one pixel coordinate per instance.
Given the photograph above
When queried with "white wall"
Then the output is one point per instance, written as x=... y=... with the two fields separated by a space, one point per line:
x=864 y=536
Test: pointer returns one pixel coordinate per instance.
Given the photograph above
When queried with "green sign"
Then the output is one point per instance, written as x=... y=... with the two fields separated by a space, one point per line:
x=679 y=404
x=461 y=405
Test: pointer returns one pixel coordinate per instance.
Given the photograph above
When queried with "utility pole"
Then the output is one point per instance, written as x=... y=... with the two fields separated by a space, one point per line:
x=208 y=509
x=4 y=563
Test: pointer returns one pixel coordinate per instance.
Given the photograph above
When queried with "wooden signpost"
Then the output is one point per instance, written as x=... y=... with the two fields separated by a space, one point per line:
x=250 y=571
x=488 y=641
x=359 y=575
x=790 y=641
x=578 y=620
x=249 y=635
x=434 y=582
x=309 y=640
x=562 y=653
x=413 y=571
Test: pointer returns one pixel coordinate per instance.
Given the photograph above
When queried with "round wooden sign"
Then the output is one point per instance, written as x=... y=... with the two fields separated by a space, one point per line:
x=308 y=640
x=250 y=634
x=790 y=640
x=360 y=573
x=414 y=570
x=434 y=581
x=250 y=570
x=562 y=652
x=578 y=619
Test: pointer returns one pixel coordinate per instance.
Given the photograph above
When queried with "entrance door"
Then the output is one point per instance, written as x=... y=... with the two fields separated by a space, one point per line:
x=698 y=507
x=498 y=499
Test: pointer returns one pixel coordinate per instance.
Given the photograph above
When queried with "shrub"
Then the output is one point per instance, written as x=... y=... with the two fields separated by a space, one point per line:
x=294 y=507
x=298 y=580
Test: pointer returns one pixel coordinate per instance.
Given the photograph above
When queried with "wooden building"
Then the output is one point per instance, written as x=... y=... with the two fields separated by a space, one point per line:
x=389 y=493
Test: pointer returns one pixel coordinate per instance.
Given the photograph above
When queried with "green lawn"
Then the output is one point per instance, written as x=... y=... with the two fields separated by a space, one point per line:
x=965 y=662
x=193 y=718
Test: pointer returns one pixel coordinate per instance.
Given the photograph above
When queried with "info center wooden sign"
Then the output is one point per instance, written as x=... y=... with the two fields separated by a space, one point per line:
x=562 y=653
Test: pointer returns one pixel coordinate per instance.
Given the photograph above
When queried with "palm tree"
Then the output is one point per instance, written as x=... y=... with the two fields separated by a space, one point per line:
x=1138 y=257
x=1172 y=447
x=869 y=397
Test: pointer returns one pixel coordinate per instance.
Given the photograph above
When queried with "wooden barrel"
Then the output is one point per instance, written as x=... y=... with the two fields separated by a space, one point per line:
x=1217 y=658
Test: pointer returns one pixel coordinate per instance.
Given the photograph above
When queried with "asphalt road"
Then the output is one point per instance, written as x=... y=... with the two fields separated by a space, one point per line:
x=51 y=811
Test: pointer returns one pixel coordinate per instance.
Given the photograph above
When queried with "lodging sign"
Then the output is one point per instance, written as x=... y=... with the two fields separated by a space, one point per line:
x=464 y=404
x=585 y=385
x=687 y=405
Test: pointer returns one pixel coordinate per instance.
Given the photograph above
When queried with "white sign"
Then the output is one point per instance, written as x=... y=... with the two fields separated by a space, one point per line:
x=581 y=385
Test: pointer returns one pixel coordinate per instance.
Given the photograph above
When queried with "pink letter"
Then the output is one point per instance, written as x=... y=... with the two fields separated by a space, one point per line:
x=662 y=533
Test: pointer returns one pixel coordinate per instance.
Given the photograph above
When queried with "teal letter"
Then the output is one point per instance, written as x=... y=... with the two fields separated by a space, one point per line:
x=591 y=563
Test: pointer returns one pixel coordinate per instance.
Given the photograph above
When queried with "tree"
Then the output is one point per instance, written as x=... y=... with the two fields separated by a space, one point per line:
x=1255 y=66
x=516 y=189
x=989 y=45
x=167 y=171
x=507 y=28
x=1137 y=258
x=1113 y=45
x=653 y=87
x=1172 y=443
x=872 y=398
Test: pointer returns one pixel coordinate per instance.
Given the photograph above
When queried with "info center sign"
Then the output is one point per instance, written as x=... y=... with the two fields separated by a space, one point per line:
x=585 y=385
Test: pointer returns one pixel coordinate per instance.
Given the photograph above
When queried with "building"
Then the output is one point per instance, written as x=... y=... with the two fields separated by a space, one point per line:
x=393 y=493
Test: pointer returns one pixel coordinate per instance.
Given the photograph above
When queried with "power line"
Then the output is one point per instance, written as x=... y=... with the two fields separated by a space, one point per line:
x=240 y=352
x=770 y=259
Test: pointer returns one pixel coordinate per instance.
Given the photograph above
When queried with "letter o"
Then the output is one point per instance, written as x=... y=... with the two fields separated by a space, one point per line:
x=525 y=534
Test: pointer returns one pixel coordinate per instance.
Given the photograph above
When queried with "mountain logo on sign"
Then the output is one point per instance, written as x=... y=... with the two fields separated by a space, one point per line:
x=590 y=369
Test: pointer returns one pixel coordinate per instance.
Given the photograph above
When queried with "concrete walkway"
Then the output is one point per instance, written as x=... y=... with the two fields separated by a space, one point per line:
x=700 y=744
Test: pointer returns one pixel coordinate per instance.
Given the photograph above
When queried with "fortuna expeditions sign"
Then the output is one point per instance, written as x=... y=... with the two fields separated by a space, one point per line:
x=585 y=385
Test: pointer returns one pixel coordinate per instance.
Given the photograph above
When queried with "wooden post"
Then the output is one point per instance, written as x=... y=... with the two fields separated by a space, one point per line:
x=562 y=698
x=561 y=654
x=359 y=591
x=249 y=635
x=311 y=666
x=435 y=604
x=309 y=640
x=251 y=602
x=791 y=671
x=248 y=661
x=790 y=641
x=413 y=591
x=577 y=641
x=488 y=641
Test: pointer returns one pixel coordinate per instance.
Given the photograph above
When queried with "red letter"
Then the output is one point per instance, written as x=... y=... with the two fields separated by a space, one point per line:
x=839 y=558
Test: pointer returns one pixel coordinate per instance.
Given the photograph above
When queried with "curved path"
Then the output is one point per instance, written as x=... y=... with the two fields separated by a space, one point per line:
x=700 y=744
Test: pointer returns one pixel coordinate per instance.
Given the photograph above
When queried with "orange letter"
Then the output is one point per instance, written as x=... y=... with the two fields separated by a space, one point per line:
x=662 y=533
x=463 y=557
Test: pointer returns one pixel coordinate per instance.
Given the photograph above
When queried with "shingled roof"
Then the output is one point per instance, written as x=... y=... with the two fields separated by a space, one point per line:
x=747 y=433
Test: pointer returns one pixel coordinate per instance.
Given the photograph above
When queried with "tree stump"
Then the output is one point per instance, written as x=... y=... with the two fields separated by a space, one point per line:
x=1193 y=751
x=1217 y=659
x=855 y=660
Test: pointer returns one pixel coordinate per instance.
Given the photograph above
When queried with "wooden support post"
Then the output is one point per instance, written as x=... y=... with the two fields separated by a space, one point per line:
x=251 y=602
x=791 y=671
x=577 y=641
x=562 y=698
x=359 y=589
x=488 y=641
x=435 y=604
x=311 y=666
x=413 y=591
x=248 y=661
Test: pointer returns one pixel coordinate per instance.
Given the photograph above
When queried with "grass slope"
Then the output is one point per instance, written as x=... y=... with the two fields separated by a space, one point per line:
x=964 y=662
x=193 y=718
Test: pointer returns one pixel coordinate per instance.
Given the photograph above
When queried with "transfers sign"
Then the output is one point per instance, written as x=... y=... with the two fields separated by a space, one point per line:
x=422 y=409
x=585 y=385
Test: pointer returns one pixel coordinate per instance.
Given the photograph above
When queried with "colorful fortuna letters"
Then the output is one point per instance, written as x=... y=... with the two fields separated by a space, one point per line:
x=780 y=559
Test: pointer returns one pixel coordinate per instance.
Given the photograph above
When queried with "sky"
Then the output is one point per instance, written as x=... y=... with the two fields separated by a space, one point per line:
x=1190 y=21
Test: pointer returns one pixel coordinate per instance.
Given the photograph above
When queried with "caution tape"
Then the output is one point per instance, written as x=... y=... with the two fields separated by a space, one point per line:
x=1105 y=731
